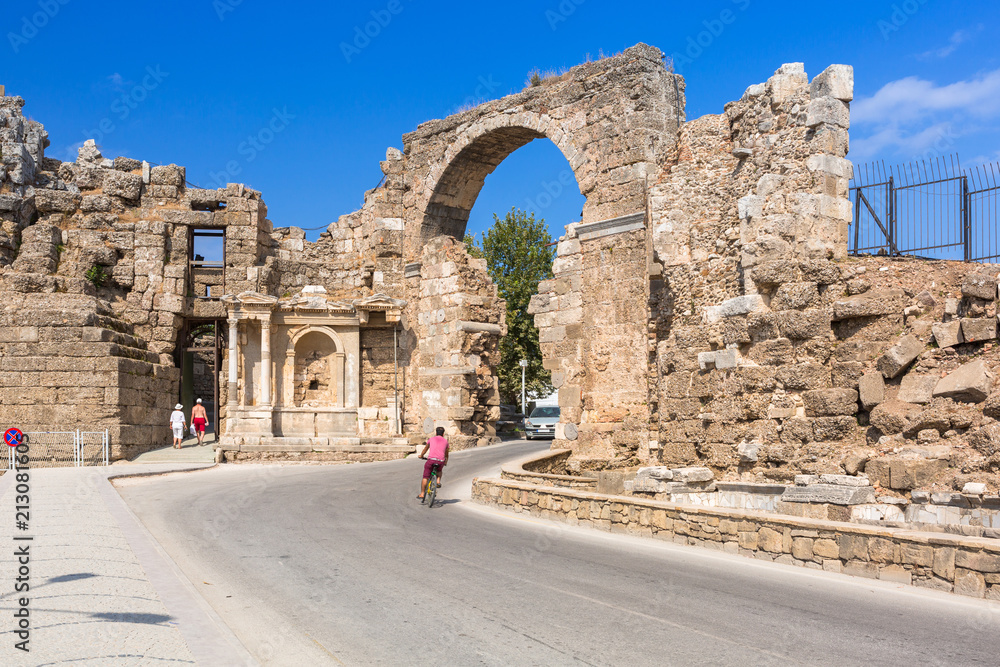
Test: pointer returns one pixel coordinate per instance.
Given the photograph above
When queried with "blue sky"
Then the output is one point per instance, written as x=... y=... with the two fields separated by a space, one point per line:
x=190 y=82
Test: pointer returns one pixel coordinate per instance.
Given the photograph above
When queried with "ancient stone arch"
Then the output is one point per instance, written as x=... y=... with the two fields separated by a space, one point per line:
x=614 y=121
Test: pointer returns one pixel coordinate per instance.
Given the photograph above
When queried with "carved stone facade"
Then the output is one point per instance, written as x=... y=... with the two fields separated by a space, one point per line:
x=294 y=377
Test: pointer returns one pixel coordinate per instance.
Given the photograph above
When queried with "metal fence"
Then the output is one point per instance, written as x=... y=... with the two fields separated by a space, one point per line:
x=932 y=209
x=62 y=449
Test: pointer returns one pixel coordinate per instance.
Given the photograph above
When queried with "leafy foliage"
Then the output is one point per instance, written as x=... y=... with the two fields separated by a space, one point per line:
x=97 y=275
x=518 y=257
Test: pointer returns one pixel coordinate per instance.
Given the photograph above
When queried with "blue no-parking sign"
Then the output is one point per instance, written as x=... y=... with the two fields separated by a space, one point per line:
x=13 y=437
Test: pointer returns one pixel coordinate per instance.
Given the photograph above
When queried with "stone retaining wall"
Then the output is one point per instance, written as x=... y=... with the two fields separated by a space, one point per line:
x=546 y=470
x=963 y=565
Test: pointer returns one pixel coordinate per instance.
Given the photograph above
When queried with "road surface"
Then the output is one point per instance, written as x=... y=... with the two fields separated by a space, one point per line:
x=341 y=565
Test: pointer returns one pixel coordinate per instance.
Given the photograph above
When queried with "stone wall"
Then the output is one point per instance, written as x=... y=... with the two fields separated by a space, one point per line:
x=964 y=565
x=459 y=321
x=703 y=311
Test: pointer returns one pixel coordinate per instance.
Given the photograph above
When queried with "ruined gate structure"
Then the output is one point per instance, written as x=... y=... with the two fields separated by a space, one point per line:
x=702 y=311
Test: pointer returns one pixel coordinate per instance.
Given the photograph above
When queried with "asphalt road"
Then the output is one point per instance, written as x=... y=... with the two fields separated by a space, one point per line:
x=341 y=565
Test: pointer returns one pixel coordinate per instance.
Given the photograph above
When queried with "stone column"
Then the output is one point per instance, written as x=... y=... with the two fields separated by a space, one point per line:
x=290 y=378
x=265 y=362
x=233 y=354
x=338 y=374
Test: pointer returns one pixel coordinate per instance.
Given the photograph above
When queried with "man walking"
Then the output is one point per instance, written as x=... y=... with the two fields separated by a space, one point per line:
x=199 y=419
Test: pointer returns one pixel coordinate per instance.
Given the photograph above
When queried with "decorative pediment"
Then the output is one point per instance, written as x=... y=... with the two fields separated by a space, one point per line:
x=314 y=299
x=379 y=302
x=393 y=308
x=250 y=299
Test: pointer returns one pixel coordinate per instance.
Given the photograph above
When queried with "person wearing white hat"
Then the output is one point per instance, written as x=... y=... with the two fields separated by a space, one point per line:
x=177 y=424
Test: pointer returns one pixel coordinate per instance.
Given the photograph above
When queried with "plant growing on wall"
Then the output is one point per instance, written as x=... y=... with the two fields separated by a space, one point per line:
x=97 y=275
x=518 y=257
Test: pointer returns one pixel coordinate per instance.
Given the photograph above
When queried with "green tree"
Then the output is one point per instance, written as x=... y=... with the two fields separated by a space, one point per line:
x=518 y=257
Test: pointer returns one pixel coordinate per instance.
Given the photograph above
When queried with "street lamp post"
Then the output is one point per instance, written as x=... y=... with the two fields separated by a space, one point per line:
x=524 y=365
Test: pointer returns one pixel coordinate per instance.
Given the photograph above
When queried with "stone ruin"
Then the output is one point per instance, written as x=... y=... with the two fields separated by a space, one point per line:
x=703 y=312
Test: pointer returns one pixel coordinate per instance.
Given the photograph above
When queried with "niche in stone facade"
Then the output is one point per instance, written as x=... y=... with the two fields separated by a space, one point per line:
x=319 y=371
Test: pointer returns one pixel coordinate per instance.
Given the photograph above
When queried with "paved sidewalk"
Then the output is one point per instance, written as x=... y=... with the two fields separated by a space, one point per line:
x=190 y=453
x=102 y=590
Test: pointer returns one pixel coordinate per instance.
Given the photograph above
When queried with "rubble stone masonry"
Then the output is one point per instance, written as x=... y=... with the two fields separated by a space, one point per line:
x=703 y=310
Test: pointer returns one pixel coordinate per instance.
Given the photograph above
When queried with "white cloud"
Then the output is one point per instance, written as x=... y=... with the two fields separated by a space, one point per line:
x=912 y=98
x=915 y=117
x=956 y=40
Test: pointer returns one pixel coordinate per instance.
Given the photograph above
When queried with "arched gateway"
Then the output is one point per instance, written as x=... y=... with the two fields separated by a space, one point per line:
x=615 y=121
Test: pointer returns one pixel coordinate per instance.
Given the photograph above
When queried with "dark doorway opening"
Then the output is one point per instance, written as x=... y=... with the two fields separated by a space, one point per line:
x=200 y=357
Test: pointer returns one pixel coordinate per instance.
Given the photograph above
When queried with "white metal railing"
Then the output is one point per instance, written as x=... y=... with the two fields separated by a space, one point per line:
x=52 y=449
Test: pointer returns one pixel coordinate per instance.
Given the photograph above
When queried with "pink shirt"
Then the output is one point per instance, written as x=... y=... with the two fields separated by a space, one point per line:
x=438 y=447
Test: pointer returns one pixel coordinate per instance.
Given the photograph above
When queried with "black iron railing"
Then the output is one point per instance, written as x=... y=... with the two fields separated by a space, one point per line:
x=931 y=209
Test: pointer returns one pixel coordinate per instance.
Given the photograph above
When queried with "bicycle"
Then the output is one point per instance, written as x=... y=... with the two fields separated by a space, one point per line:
x=432 y=484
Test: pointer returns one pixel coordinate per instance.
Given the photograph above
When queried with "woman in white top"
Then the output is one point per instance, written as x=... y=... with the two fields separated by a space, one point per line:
x=177 y=424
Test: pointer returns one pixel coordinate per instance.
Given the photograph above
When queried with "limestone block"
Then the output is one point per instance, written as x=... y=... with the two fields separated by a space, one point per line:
x=795 y=296
x=871 y=388
x=776 y=272
x=830 y=164
x=917 y=388
x=121 y=184
x=870 y=304
x=830 y=402
x=770 y=540
x=751 y=206
x=891 y=417
x=969 y=583
x=975 y=489
x=828 y=111
x=741 y=305
x=692 y=475
x=56 y=201
x=570 y=397
x=837 y=208
x=540 y=303
x=944 y=563
x=787 y=83
x=772 y=352
x=662 y=473
x=95 y=204
x=905 y=474
x=833 y=429
x=749 y=451
x=835 y=81
x=768 y=184
x=804 y=376
x=845 y=480
x=979 y=329
x=971 y=383
x=980 y=286
x=948 y=334
x=719 y=359
x=822 y=271
x=833 y=494
x=804 y=324
x=899 y=357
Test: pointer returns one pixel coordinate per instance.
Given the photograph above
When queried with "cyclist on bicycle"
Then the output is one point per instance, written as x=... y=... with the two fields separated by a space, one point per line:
x=437 y=446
